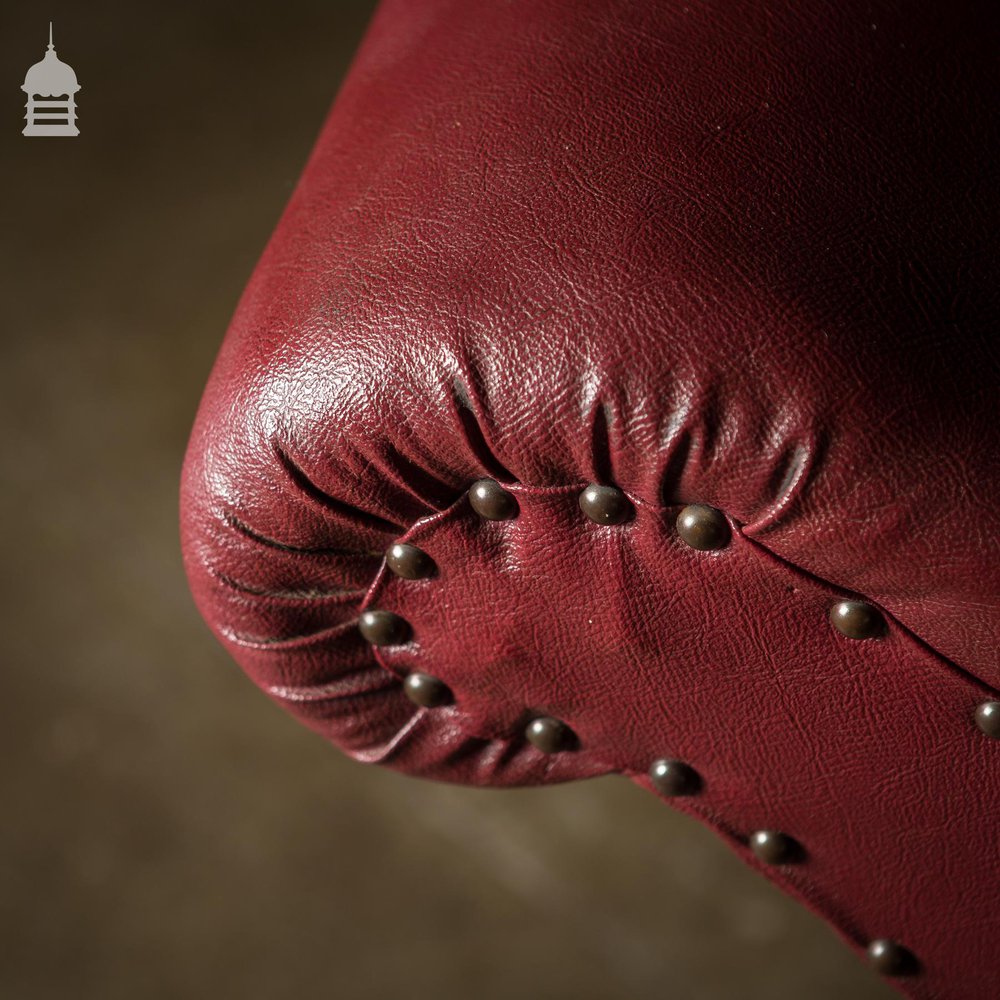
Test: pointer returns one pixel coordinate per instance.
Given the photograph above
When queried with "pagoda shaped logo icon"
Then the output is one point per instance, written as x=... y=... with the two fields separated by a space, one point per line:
x=51 y=87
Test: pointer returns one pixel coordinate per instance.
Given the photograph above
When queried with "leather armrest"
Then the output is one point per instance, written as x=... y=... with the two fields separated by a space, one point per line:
x=735 y=256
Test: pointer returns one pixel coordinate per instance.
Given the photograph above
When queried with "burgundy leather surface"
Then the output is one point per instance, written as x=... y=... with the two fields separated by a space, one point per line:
x=738 y=254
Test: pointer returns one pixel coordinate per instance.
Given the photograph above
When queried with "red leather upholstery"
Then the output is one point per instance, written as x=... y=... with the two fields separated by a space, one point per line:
x=738 y=254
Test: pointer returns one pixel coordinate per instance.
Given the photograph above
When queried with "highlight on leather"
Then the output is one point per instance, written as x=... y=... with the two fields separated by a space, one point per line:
x=617 y=395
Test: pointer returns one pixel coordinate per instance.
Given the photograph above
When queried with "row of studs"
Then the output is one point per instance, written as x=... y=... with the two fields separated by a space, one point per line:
x=703 y=528
x=673 y=778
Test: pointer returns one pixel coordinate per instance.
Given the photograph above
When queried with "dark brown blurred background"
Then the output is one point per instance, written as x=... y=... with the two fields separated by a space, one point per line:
x=166 y=831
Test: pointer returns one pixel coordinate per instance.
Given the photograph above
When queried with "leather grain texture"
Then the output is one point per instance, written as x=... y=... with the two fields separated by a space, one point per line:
x=739 y=254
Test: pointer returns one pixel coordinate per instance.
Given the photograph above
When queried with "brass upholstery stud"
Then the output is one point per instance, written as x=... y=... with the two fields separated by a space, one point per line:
x=427 y=691
x=605 y=504
x=889 y=958
x=988 y=718
x=383 y=628
x=773 y=847
x=550 y=735
x=674 y=777
x=409 y=562
x=857 y=620
x=491 y=501
x=702 y=527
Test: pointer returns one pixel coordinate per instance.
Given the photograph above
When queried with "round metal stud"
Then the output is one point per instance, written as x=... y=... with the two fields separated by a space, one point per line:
x=427 y=691
x=889 y=958
x=674 y=777
x=605 y=504
x=988 y=718
x=408 y=561
x=703 y=528
x=550 y=735
x=857 y=620
x=383 y=628
x=491 y=501
x=773 y=847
